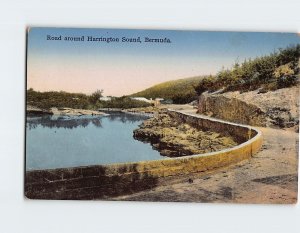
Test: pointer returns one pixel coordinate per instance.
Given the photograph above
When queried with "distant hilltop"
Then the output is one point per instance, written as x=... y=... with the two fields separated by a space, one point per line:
x=180 y=91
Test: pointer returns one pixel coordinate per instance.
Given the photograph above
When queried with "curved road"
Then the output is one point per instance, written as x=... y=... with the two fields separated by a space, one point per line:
x=269 y=177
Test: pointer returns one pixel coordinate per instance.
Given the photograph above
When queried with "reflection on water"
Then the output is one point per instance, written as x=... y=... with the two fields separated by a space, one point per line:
x=70 y=122
x=64 y=141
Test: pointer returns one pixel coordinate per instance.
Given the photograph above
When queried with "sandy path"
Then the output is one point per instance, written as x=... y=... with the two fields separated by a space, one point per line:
x=269 y=177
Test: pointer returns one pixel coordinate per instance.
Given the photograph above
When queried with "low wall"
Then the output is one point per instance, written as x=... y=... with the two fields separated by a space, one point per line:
x=101 y=181
x=240 y=133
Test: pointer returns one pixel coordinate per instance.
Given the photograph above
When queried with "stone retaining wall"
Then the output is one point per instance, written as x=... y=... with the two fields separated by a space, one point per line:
x=100 y=181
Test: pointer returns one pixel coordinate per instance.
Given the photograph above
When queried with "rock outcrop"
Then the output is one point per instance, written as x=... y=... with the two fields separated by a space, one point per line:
x=174 y=139
x=37 y=111
x=62 y=111
x=75 y=112
x=144 y=110
x=279 y=109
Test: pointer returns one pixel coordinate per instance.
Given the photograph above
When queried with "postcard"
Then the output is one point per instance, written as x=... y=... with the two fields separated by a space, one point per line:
x=162 y=115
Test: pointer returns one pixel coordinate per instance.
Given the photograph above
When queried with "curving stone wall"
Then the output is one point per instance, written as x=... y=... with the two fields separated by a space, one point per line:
x=101 y=181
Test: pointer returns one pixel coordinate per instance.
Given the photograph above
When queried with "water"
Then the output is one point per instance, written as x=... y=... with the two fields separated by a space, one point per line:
x=59 y=142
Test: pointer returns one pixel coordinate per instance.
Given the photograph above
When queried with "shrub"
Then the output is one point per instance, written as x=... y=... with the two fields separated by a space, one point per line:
x=283 y=70
x=286 y=81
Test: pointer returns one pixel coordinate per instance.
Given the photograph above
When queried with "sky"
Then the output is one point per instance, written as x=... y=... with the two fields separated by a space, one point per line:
x=122 y=68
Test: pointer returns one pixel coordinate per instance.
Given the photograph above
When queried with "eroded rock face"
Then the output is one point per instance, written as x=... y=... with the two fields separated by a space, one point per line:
x=175 y=139
x=231 y=109
x=272 y=109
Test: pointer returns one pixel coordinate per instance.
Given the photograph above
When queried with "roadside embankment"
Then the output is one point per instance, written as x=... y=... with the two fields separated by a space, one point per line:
x=277 y=109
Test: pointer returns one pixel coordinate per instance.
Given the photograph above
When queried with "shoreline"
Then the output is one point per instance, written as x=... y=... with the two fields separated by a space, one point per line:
x=63 y=111
x=147 y=111
x=173 y=138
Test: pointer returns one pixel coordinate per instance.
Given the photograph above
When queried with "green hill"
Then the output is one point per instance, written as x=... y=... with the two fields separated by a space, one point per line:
x=180 y=91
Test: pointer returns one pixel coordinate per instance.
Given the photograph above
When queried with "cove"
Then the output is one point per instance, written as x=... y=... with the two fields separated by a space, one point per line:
x=63 y=142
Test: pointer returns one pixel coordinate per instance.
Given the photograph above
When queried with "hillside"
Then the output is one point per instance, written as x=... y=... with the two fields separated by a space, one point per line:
x=180 y=91
x=277 y=70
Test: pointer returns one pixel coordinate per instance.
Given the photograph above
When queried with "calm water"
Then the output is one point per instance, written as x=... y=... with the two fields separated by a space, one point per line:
x=56 y=142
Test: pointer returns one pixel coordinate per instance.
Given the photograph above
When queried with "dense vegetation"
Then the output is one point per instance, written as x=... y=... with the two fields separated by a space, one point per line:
x=123 y=102
x=277 y=70
x=179 y=91
x=46 y=100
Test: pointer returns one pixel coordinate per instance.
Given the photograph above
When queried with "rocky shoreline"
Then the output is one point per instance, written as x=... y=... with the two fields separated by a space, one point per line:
x=63 y=111
x=146 y=110
x=174 y=139
x=149 y=111
x=75 y=112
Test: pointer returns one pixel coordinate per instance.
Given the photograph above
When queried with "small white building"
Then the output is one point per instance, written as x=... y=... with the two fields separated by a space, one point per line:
x=158 y=101
x=105 y=98
x=141 y=99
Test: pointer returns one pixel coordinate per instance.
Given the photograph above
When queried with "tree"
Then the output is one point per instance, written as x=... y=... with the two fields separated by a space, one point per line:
x=206 y=84
x=95 y=96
